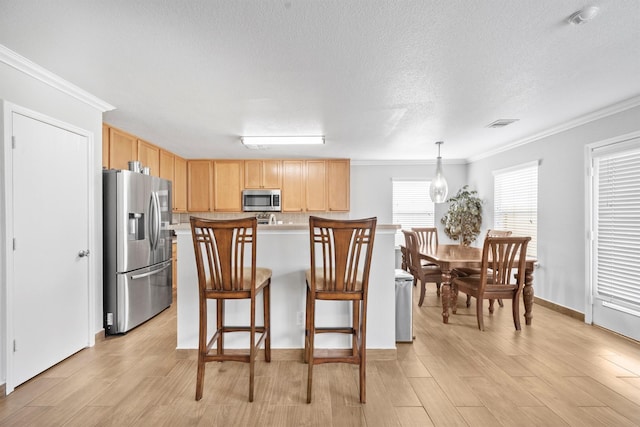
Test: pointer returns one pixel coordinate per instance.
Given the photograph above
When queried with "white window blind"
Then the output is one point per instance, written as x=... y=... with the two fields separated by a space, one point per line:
x=412 y=206
x=516 y=202
x=617 y=225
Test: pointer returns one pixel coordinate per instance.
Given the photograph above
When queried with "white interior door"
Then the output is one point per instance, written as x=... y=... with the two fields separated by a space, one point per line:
x=50 y=286
x=615 y=253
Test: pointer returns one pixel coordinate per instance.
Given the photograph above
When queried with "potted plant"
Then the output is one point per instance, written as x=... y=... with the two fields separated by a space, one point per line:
x=464 y=217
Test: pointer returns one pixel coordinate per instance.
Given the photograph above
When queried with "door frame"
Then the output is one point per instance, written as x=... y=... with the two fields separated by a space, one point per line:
x=6 y=233
x=590 y=220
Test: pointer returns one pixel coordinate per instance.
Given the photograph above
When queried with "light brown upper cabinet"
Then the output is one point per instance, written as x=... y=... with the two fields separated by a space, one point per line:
x=105 y=146
x=200 y=185
x=293 y=186
x=168 y=171
x=338 y=185
x=123 y=147
x=262 y=173
x=316 y=185
x=149 y=156
x=180 y=185
x=228 y=184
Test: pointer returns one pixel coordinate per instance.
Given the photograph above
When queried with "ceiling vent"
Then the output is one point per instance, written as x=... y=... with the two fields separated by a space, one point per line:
x=500 y=123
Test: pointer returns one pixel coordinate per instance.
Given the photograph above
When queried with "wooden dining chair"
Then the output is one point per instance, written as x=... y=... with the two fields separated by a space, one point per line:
x=340 y=263
x=502 y=275
x=225 y=252
x=426 y=235
x=469 y=271
x=421 y=272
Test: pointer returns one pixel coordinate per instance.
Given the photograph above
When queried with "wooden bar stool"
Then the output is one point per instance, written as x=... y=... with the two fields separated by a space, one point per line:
x=225 y=252
x=340 y=263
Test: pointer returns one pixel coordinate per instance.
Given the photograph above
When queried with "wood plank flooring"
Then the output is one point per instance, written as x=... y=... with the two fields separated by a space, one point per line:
x=557 y=372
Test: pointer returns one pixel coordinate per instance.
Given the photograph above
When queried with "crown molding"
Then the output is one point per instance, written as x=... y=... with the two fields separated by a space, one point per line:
x=428 y=162
x=32 y=69
x=579 y=121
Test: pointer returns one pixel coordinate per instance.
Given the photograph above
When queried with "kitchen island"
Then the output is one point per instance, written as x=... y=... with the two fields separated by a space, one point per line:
x=285 y=250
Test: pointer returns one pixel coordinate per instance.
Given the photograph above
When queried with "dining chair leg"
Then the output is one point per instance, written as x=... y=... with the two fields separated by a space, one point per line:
x=479 y=314
x=491 y=303
x=266 y=305
x=500 y=303
x=220 y=324
x=310 y=339
x=515 y=308
x=355 y=323
x=307 y=327
x=468 y=301
x=422 y=291
x=363 y=359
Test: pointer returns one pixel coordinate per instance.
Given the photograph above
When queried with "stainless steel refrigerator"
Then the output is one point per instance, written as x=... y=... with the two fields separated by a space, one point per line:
x=137 y=248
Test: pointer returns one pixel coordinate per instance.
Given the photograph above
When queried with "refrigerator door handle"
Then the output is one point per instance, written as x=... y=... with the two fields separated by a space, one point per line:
x=151 y=273
x=157 y=220
x=154 y=221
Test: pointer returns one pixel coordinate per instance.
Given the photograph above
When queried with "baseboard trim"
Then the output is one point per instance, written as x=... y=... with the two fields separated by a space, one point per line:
x=100 y=335
x=559 y=308
x=3 y=390
x=293 y=354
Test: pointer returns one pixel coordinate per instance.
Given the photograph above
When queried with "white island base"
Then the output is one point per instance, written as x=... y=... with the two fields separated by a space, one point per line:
x=285 y=250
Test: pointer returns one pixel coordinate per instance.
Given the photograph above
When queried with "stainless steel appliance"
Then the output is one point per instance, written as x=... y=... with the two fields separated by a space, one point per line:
x=266 y=218
x=137 y=279
x=261 y=201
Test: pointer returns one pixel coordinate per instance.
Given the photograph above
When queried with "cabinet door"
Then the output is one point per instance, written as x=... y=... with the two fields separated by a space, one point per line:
x=292 y=185
x=200 y=185
x=149 y=156
x=105 y=146
x=262 y=174
x=167 y=166
x=271 y=174
x=316 y=185
x=228 y=184
x=253 y=173
x=122 y=148
x=180 y=184
x=338 y=185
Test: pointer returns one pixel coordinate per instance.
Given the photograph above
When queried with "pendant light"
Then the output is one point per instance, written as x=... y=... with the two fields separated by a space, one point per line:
x=439 y=188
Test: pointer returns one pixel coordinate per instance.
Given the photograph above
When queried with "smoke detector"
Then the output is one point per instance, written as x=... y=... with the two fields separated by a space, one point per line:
x=584 y=15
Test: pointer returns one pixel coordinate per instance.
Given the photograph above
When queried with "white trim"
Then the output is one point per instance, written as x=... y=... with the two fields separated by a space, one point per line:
x=424 y=162
x=579 y=121
x=32 y=69
x=6 y=222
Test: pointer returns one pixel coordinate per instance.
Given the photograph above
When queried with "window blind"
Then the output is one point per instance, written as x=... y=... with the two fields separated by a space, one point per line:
x=617 y=225
x=516 y=202
x=412 y=206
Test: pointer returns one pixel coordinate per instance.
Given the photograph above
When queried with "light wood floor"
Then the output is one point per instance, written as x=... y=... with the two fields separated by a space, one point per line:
x=558 y=371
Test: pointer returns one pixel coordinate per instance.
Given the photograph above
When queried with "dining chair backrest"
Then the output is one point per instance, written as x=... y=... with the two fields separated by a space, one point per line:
x=411 y=243
x=426 y=235
x=501 y=257
x=225 y=253
x=341 y=253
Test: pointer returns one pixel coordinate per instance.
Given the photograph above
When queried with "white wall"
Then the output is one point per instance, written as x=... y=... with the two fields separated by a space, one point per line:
x=562 y=175
x=21 y=89
x=371 y=188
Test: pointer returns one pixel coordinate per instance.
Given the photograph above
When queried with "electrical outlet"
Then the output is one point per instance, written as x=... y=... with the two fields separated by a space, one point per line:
x=300 y=318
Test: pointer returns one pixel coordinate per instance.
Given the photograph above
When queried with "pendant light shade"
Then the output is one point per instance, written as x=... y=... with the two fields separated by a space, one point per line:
x=439 y=188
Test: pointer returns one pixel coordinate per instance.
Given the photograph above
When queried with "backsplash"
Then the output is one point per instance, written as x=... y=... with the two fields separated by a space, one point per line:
x=285 y=217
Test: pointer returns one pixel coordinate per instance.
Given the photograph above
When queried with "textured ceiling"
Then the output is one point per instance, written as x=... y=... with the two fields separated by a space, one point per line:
x=382 y=80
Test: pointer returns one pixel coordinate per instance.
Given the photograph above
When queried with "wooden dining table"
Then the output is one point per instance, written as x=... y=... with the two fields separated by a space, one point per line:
x=449 y=257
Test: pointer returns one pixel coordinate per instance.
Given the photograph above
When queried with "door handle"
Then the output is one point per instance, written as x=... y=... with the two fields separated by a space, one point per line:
x=83 y=253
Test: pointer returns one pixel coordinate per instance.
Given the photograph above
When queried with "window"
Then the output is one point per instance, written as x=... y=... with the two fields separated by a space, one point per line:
x=516 y=202
x=617 y=224
x=412 y=206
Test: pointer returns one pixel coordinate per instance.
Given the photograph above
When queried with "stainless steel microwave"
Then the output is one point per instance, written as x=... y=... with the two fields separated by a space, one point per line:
x=261 y=201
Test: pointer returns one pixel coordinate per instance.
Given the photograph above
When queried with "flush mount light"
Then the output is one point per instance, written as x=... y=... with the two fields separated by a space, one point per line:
x=584 y=15
x=282 y=140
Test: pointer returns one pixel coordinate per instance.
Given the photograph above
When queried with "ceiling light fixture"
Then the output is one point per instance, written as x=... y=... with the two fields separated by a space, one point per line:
x=584 y=15
x=282 y=140
x=439 y=188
